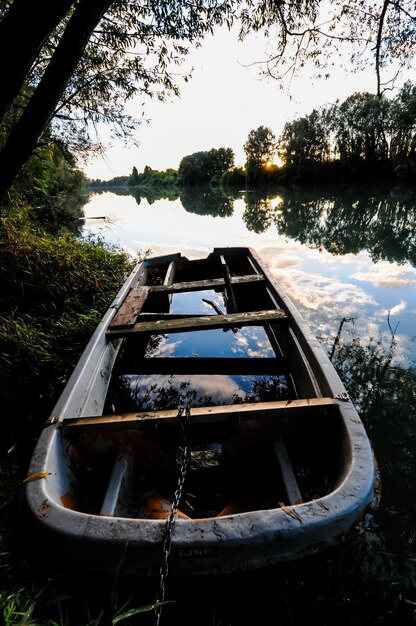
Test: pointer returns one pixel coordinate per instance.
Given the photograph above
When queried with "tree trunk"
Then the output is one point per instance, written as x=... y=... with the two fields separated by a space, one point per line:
x=37 y=114
x=23 y=31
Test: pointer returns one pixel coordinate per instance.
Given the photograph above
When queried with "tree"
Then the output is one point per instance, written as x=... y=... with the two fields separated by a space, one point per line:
x=306 y=138
x=34 y=21
x=83 y=59
x=260 y=148
x=35 y=118
x=381 y=32
x=134 y=177
x=110 y=43
x=202 y=167
x=359 y=126
x=402 y=123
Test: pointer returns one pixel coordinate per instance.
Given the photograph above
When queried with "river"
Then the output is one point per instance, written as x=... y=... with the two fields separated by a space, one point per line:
x=347 y=257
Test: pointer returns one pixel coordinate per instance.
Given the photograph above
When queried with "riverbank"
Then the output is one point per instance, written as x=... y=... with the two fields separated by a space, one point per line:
x=54 y=289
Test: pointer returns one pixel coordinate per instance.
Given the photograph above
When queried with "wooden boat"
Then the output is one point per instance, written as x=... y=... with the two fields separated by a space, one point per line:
x=278 y=462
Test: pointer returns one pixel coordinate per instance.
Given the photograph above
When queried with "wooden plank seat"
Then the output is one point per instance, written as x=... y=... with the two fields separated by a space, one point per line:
x=133 y=304
x=131 y=308
x=203 y=322
x=202 y=415
x=203 y=285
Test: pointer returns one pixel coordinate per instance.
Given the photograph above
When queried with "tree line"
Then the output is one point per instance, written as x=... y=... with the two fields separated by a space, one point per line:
x=363 y=128
x=363 y=136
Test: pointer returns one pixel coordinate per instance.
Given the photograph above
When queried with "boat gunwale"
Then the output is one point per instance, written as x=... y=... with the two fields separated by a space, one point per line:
x=324 y=518
x=274 y=534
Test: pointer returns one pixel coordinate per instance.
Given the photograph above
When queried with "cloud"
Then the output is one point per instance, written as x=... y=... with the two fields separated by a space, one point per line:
x=252 y=341
x=325 y=294
x=281 y=256
x=325 y=301
x=221 y=388
x=165 y=347
x=388 y=275
x=395 y=310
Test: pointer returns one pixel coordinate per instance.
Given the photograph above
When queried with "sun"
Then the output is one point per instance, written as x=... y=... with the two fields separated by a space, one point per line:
x=276 y=161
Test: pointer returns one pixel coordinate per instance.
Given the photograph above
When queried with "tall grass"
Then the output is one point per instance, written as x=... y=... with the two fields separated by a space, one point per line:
x=53 y=291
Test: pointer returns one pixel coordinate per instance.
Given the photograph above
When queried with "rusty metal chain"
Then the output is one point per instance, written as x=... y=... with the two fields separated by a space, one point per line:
x=183 y=419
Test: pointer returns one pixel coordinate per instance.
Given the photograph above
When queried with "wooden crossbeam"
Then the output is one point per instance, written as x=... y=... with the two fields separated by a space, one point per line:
x=290 y=483
x=134 y=302
x=131 y=364
x=170 y=274
x=202 y=415
x=203 y=322
x=201 y=285
x=230 y=297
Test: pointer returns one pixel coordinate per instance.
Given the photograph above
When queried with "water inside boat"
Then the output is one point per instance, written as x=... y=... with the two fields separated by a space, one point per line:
x=236 y=464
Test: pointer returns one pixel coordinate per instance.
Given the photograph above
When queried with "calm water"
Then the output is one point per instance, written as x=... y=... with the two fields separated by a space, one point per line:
x=347 y=257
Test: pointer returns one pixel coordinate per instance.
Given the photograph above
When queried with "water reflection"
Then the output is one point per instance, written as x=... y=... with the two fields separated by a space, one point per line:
x=342 y=220
x=62 y=211
x=385 y=394
x=161 y=392
x=150 y=194
x=144 y=392
x=207 y=201
x=260 y=211
x=339 y=253
x=338 y=219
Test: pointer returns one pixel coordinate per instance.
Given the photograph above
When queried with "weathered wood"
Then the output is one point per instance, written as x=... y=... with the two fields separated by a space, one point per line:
x=165 y=258
x=204 y=322
x=115 y=485
x=202 y=415
x=131 y=308
x=218 y=310
x=170 y=274
x=230 y=297
x=130 y=364
x=290 y=483
x=201 y=285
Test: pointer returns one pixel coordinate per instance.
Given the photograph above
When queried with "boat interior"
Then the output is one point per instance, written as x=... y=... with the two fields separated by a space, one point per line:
x=208 y=361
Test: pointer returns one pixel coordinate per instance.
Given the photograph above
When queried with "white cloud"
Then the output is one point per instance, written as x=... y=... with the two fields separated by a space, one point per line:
x=220 y=388
x=391 y=276
x=166 y=347
x=395 y=310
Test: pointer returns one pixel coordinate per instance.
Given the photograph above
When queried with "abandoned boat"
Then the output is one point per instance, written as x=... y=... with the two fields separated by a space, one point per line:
x=203 y=372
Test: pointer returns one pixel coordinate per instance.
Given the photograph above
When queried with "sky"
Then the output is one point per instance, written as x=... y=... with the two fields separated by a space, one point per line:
x=220 y=105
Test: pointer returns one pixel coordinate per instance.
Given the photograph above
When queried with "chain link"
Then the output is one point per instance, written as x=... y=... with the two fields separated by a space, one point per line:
x=184 y=423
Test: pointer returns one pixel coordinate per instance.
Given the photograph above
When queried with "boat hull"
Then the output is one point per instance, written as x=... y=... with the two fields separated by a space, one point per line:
x=321 y=420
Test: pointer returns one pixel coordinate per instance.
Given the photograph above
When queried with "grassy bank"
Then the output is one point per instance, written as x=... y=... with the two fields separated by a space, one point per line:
x=53 y=291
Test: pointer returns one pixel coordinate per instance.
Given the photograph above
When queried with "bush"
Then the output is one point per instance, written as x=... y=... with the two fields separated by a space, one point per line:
x=54 y=290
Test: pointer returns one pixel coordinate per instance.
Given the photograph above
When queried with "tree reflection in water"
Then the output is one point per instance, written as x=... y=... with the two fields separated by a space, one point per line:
x=369 y=578
x=385 y=395
x=341 y=220
x=207 y=201
x=383 y=222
